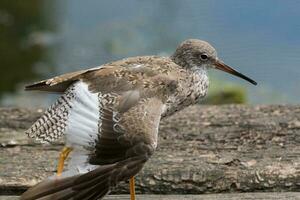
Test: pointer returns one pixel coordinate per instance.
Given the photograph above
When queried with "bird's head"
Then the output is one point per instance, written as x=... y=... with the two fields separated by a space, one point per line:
x=198 y=54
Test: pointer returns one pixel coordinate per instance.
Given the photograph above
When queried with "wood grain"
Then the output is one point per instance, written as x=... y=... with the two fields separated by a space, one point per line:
x=202 y=149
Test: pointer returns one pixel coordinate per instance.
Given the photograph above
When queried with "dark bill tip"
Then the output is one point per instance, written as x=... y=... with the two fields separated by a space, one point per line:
x=223 y=67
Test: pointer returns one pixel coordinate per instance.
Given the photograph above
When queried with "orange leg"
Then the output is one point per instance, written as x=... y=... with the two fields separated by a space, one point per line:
x=63 y=155
x=132 y=188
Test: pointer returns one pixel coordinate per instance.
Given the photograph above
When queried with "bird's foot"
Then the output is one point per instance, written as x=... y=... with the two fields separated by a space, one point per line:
x=132 y=188
x=63 y=155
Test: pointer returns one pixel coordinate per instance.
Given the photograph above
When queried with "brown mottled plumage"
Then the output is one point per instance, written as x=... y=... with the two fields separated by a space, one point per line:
x=110 y=116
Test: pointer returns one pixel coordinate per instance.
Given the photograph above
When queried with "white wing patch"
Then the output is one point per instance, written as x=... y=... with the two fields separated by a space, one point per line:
x=75 y=115
x=82 y=129
x=82 y=124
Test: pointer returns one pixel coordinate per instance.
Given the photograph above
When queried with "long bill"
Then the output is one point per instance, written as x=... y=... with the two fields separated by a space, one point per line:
x=223 y=67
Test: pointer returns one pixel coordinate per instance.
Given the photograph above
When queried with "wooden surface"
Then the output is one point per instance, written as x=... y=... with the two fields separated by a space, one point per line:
x=203 y=149
x=230 y=196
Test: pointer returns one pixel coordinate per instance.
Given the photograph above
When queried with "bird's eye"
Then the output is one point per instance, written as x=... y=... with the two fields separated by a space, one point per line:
x=203 y=56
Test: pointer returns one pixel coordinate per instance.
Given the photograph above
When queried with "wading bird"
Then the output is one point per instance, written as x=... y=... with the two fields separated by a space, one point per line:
x=110 y=116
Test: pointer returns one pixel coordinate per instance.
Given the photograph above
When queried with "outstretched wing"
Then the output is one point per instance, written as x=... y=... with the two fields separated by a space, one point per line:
x=59 y=84
x=111 y=115
x=126 y=141
x=87 y=89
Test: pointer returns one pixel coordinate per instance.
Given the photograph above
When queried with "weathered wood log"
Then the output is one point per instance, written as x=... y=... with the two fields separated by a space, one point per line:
x=202 y=149
x=228 y=196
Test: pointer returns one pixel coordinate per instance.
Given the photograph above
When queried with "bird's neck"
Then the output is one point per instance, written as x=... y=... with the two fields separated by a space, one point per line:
x=178 y=58
x=193 y=86
x=201 y=71
x=198 y=74
x=201 y=81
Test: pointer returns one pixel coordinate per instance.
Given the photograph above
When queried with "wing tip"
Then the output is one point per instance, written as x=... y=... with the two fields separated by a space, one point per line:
x=36 y=86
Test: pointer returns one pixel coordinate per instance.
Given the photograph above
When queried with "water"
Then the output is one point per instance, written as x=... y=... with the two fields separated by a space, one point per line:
x=258 y=38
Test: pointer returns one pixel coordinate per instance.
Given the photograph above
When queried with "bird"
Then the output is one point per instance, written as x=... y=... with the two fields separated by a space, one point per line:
x=110 y=115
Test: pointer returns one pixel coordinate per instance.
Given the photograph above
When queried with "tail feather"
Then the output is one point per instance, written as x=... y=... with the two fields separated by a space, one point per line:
x=61 y=195
x=92 y=185
x=71 y=187
x=99 y=189
x=51 y=186
x=98 y=195
x=90 y=179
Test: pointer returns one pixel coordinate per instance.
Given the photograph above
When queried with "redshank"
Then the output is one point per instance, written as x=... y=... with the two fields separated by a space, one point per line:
x=109 y=116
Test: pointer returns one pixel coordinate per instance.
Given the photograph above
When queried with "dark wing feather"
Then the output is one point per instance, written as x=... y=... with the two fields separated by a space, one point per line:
x=122 y=133
x=108 y=148
x=59 y=83
x=132 y=147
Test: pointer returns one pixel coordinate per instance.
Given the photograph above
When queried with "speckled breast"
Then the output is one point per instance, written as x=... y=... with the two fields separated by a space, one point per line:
x=189 y=91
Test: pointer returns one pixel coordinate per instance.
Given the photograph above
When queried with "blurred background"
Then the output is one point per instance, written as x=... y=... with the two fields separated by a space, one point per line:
x=44 y=38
